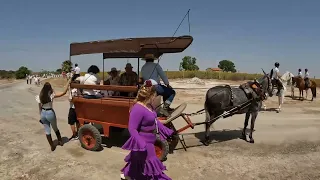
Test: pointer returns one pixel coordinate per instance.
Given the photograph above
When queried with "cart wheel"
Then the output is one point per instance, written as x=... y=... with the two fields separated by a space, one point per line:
x=162 y=149
x=90 y=137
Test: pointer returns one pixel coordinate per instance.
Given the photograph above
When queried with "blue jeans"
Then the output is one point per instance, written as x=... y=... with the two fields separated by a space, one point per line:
x=168 y=94
x=90 y=96
x=48 y=117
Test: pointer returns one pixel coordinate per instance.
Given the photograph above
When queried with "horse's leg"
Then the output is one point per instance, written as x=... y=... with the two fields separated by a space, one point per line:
x=206 y=140
x=246 y=121
x=306 y=94
x=253 y=121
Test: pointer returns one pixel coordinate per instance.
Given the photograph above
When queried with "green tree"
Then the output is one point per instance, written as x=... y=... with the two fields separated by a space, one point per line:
x=189 y=64
x=59 y=71
x=227 y=65
x=66 y=66
x=22 y=72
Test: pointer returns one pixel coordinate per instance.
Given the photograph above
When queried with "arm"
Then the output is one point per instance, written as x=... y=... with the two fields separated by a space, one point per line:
x=135 y=119
x=64 y=92
x=40 y=107
x=162 y=75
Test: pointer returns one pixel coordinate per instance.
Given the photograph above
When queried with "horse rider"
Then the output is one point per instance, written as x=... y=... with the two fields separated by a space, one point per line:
x=299 y=73
x=306 y=78
x=275 y=75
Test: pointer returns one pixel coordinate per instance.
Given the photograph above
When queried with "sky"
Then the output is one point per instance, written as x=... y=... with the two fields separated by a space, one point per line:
x=253 y=34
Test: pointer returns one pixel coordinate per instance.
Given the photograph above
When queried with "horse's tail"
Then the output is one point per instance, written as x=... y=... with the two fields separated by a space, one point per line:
x=314 y=92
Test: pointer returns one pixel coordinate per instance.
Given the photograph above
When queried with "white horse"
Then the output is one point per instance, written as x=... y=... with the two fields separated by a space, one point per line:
x=286 y=80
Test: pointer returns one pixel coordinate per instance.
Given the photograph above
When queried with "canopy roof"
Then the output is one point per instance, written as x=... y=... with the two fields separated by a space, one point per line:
x=132 y=47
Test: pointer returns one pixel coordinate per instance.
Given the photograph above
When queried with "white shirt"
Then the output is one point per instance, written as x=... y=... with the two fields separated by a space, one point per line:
x=275 y=73
x=47 y=105
x=306 y=75
x=73 y=93
x=300 y=74
x=90 y=79
x=151 y=70
x=77 y=70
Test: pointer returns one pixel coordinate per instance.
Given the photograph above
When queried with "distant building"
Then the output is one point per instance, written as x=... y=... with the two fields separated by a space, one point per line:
x=214 y=69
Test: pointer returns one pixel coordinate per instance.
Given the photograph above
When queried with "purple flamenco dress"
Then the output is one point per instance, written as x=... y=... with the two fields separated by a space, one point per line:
x=142 y=162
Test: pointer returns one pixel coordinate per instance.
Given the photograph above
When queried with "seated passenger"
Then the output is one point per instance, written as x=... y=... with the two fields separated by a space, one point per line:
x=128 y=78
x=91 y=78
x=112 y=80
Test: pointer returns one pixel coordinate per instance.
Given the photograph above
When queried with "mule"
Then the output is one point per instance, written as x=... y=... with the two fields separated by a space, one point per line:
x=301 y=85
x=221 y=99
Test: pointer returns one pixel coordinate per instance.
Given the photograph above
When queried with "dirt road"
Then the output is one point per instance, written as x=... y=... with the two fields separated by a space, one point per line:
x=287 y=145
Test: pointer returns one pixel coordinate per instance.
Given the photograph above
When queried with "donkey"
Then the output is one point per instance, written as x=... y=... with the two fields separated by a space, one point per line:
x=222 y=99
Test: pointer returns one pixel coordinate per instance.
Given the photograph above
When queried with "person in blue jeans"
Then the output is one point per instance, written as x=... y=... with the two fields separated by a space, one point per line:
x=153 y=71
x=47 y=114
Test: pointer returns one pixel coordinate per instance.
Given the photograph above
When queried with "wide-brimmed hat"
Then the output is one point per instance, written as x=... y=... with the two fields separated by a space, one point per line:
x=114 y=70
x=149 y=56
x=128 y=65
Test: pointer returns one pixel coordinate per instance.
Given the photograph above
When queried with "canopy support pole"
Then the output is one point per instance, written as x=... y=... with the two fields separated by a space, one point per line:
x=138 y=71
x=103 y=69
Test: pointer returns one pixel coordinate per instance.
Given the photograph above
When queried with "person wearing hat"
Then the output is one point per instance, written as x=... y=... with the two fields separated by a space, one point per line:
x=113 y=79
x=128 y=78
x=152 y=70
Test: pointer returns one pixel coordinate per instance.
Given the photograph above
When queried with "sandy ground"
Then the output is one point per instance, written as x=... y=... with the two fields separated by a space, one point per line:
x=287 y=144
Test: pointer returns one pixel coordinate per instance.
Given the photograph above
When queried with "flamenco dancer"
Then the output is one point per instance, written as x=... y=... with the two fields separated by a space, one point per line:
x=144 y=128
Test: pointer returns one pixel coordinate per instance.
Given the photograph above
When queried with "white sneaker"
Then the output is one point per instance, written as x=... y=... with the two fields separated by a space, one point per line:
x=124 y=177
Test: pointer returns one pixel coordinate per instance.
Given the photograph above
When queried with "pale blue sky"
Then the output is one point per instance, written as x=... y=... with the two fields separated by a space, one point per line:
x=254 y=34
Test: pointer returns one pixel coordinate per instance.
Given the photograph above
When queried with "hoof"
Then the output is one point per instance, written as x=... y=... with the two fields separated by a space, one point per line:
x=251 y=141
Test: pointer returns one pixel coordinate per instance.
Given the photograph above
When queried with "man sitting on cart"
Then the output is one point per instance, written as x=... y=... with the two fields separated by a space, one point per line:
x=128 y=78
x=152 y=70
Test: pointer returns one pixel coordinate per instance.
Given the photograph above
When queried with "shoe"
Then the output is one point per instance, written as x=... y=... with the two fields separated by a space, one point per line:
x=59 y=138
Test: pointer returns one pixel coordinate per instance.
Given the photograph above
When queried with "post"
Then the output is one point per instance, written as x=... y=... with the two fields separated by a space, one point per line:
x=138 y=71
x=103 y=69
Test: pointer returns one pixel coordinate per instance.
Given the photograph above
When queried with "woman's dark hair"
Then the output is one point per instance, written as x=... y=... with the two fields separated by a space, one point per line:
x=93 y=69
x=45 y=93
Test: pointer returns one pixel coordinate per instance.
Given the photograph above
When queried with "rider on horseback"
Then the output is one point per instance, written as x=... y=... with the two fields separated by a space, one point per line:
x=274 y=75
x=300 y=73
x=306 y=78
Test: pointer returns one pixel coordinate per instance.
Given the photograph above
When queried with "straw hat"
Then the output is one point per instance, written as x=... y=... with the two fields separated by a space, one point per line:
x=114 y=70
x=149 y=56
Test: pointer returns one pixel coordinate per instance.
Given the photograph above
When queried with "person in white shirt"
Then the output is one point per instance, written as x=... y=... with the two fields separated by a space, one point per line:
x=152 y=70
x=114 y=78
x=306 y=78
x=275 y=75
x=47 y=115
x=72 y=116
x=76 y=72
x=299 y=73
x=91 y=78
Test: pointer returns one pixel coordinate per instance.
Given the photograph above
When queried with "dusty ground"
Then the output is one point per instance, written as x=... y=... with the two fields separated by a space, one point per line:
x=287 y=145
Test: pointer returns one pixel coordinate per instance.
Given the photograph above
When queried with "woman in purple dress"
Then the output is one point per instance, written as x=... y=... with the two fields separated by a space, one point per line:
x=142 y=162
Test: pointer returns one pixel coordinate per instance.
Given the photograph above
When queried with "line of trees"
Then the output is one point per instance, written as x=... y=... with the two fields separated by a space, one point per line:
x=189 y=63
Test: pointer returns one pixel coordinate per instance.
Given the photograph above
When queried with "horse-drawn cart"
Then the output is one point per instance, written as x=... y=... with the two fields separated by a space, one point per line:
x=113 y=111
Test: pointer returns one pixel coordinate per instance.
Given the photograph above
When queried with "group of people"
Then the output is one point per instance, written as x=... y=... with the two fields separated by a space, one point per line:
x=144 y=127
x=35 y=78
x=275 y=76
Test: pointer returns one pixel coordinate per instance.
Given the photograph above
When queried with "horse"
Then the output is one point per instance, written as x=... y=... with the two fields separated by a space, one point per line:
x=221 y=100
x=301 y=85
x=286 y=80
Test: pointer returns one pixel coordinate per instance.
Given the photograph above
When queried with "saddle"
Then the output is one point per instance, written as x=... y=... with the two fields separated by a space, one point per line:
x=253 y=91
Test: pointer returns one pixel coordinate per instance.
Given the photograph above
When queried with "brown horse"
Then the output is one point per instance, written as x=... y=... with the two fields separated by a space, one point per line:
x=301 y=85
